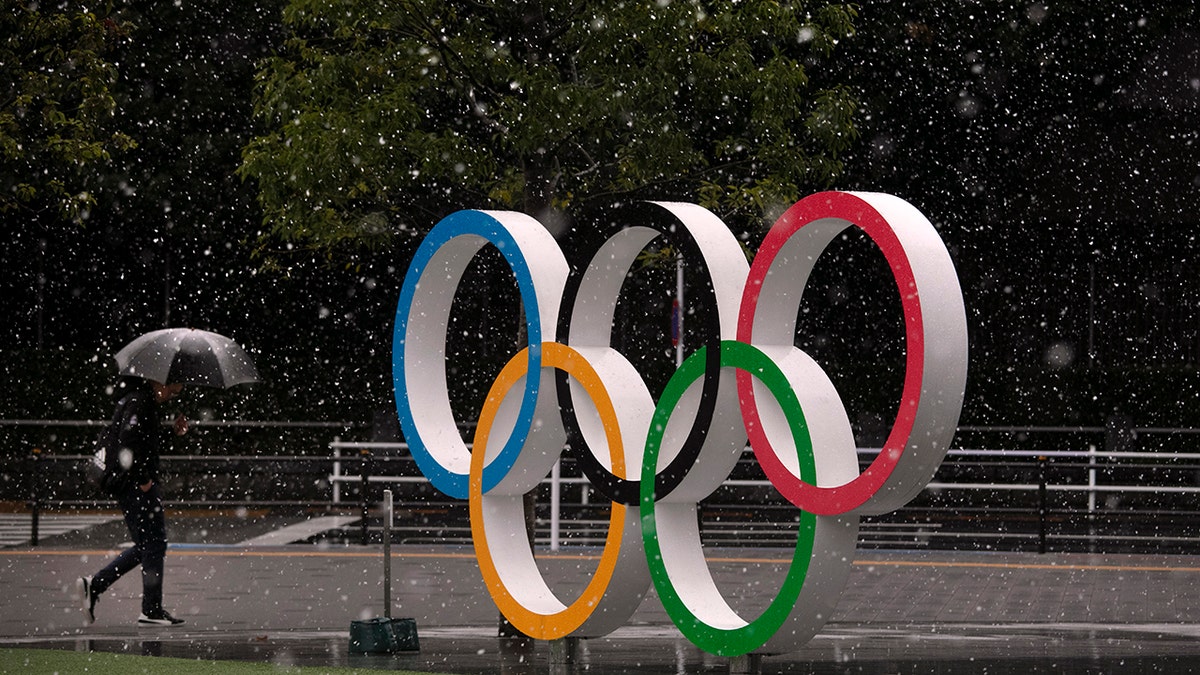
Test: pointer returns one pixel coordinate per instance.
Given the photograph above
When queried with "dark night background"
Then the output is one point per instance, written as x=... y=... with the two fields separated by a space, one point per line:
x=1057 y=152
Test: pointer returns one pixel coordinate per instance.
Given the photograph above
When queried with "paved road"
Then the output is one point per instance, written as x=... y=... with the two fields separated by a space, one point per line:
x=901 y=611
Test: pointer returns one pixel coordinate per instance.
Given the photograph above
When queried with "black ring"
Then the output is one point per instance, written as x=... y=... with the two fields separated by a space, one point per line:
x=609 y=225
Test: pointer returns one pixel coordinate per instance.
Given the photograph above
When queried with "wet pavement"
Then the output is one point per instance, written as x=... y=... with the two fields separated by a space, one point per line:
x=901 y=612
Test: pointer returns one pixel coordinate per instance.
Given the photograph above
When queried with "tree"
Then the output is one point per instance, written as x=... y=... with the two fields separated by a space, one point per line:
x=383 y=115
x=55 y=115
x=157 y=226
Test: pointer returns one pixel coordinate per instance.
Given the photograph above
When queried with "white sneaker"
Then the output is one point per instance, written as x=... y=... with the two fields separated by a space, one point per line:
x=159 y=618
x=86 y=599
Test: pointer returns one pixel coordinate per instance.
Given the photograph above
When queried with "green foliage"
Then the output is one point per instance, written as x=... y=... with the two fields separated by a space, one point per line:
x=55 y=116
x=383 y=115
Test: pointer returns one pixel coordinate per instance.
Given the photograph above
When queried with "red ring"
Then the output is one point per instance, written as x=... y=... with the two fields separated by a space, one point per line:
x=849 y=496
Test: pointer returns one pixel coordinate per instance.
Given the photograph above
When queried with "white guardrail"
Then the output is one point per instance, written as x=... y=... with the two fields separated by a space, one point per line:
x=1092 y=458
x=1090 y=475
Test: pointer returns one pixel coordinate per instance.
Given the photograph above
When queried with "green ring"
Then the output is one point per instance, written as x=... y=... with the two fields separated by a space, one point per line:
x=720 y=641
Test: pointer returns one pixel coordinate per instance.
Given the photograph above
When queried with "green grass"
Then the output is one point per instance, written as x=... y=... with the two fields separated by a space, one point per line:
x=77 y=663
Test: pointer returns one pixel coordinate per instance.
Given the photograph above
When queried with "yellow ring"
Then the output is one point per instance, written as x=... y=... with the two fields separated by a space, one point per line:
x=554 y=625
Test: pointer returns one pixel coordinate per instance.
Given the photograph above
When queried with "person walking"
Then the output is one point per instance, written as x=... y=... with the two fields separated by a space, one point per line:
x=139 y=437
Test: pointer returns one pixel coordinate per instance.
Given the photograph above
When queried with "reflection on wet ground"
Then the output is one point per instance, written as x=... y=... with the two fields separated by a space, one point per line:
x=901 y=611
x=915 y=648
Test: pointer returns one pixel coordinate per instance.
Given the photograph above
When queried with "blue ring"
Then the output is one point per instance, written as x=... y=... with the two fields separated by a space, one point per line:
x=459 y=224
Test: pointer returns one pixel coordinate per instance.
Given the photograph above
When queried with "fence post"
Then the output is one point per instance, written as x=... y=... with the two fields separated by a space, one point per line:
x=365 y=457
x=387 y=553
x=35 y=499
x=555 y=507
x=1042 y=506
x=337 y=476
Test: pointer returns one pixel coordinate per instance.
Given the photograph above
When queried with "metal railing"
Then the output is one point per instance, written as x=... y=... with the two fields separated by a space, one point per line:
x=1022 y=497
x=43 y=461
x=1039 y=473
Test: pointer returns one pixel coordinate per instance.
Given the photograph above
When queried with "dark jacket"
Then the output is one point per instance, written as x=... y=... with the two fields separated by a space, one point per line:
x=140 y=433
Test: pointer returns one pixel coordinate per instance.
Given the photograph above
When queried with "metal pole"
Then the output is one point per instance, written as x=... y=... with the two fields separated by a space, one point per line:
x=679 y=302
x=1042 y=504
x=555 y=494
x=337 y=475
x=1091 y=480
x=35 y=502
x=1091 y=514
x=387 y=553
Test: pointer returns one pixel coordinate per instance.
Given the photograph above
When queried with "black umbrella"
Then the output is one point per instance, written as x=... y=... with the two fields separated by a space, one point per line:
x=187 y=356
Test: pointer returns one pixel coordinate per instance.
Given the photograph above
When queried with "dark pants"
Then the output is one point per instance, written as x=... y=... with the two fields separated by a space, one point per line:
x=144 y=518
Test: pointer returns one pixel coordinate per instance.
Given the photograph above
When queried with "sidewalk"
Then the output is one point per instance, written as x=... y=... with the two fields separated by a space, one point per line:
x=901 y=611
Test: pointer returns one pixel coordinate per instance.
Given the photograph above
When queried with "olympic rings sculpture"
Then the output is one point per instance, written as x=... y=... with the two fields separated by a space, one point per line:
x=569 y=387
